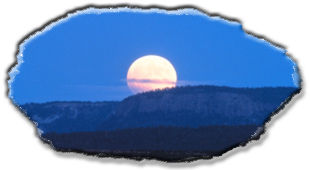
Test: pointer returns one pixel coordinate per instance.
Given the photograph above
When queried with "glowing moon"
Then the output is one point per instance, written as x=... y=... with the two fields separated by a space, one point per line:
x=151 y=72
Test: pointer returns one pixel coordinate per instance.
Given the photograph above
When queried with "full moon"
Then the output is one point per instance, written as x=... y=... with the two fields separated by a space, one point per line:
x=151 y=72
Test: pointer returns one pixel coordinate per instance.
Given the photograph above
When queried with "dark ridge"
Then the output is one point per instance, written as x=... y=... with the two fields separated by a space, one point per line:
x=115 y=123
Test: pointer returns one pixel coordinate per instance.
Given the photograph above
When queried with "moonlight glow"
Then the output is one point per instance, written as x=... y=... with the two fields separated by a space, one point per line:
x=151 y=72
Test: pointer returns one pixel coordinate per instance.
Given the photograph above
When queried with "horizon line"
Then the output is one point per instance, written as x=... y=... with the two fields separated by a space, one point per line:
x=151 y=91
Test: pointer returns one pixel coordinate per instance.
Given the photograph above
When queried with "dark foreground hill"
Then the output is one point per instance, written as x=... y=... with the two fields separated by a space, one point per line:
x=162 y=143
x=173 y=124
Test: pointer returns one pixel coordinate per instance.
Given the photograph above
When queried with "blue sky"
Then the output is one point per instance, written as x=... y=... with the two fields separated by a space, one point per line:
x=87 y=56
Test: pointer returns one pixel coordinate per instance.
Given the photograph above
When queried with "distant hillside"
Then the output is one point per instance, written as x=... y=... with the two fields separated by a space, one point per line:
x=199 y=106
x=69 y=116
x=179 y=107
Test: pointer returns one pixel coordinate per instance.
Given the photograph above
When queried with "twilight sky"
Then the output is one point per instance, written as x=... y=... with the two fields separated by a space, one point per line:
x=87 y=56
